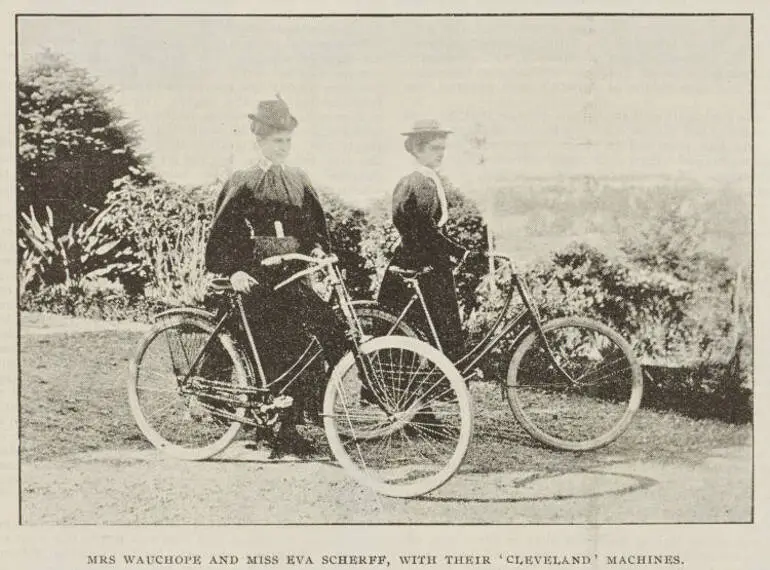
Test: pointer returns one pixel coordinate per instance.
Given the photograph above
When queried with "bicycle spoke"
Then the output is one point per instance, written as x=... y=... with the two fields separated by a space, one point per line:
x=420 y=442
x=187 y=424
x=593 y=404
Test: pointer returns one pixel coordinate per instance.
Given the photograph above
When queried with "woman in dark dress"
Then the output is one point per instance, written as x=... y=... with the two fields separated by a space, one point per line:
x=271 y=209
x=419 y=214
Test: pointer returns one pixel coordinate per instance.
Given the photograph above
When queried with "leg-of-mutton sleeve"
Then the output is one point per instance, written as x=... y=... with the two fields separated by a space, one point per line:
x=316 y=227
x=229 y=248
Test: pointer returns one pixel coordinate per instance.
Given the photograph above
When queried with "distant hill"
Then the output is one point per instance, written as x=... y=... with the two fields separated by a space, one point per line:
x=532 y=216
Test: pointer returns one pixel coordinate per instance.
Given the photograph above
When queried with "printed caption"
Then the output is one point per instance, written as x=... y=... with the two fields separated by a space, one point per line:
x=380 y=560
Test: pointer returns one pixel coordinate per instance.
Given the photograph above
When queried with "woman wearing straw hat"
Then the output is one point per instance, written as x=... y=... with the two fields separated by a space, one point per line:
x=419 y=213
x=271 y=209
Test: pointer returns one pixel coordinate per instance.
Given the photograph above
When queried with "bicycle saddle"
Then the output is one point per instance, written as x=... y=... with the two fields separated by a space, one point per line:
x=410 y=273
x=220 y=284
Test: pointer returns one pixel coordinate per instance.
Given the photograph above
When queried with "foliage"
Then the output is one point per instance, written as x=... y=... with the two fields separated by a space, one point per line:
x=166 y=227
x=533 y=211
x=672 y=242
x=633 y=300
x=378 y=242
x=346 y=226
x=73 y=142
x=675 y=302
x=28 y=268
x=78 y=300
x=705 y=390
x=81 y=254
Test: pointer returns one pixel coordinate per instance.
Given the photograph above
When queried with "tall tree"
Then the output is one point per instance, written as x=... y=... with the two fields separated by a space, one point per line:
x=73 y=142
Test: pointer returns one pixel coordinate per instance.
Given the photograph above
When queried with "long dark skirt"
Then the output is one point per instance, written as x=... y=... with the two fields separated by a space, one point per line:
x=283 y=322
x=438 y=289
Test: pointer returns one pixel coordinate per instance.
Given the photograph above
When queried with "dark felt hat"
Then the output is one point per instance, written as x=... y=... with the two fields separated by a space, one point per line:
x=427 y=126
x=275 y=113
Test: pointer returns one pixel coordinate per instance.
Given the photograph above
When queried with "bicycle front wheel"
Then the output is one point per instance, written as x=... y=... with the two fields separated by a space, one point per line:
x=576 y=387
x=187 y=415
x=403 y=426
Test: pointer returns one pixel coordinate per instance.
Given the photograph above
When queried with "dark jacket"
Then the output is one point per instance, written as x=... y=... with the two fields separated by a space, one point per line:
x=416 y=212
x=250 y=203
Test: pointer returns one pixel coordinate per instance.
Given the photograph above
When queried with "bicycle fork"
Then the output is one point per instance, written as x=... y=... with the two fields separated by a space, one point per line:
x=537 y=323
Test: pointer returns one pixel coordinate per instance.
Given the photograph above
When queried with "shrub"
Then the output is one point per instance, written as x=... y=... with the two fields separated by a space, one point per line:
x=73 y=141
x=347 y=225
x=166 y=227
x=679 y=324
x=79 y=301
x=706 y=390
x=85 y=253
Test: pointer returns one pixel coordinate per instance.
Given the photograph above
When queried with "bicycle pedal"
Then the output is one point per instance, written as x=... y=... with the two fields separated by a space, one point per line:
x=283 y=402
x=280 y=403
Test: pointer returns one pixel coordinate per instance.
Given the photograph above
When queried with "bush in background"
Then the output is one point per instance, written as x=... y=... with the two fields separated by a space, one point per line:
x=82 y=301
x=72 y=140
x=83 y=254
x=166 y=227
x=676 y=304
x=347 y=224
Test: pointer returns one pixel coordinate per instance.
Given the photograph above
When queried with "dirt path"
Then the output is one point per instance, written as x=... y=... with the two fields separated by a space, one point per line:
x=47 y=323
x=241 y=486
x=129 y=486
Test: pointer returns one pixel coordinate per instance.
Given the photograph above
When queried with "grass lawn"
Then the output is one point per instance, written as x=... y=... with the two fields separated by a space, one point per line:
x=73 y=399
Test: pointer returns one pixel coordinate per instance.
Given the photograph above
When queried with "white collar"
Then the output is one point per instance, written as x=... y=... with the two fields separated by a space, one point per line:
x=265 y=164
x=433 y=175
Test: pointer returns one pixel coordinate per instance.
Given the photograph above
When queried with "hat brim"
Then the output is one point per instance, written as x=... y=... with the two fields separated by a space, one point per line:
x=428 y=131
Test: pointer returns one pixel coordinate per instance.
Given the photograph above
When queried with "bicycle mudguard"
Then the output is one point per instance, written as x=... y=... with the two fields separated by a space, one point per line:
x=181 y=311
x=366 y=303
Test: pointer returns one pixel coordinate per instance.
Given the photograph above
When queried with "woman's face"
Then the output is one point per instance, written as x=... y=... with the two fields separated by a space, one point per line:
x=276 y=146
x=432 y=153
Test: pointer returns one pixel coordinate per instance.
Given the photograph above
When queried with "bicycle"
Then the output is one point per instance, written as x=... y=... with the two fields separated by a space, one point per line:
x=396 y=412
x=572 y=383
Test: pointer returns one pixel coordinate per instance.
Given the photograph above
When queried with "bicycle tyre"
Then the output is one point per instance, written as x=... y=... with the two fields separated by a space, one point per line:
x=179 y=424
x=427 y=404
x=588 y=413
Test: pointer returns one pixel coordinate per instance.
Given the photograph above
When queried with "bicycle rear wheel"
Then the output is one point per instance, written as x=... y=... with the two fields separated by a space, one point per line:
x=583 y=398
x=377 y=322
x=405 y=429
x=183 y=420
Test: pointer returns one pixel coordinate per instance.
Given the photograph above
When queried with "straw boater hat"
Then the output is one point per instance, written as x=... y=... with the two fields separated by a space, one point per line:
x=275 y=113
x=427 y=126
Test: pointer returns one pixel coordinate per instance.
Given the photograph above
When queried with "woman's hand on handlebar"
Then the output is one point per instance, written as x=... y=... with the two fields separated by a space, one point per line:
x=318 y=252
x=242 y=282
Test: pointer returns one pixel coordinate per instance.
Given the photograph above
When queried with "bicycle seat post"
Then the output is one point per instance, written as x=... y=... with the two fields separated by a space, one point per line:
x=242 y=312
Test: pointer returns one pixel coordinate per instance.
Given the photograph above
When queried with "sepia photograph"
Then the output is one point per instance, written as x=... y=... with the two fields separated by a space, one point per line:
x=395 y=268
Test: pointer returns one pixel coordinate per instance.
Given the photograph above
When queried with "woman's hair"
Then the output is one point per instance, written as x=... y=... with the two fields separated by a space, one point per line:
x=261 y=130
x=415 y=142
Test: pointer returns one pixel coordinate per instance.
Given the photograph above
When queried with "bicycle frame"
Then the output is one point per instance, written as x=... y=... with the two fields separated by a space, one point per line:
x=259 y=383
x=503 y=326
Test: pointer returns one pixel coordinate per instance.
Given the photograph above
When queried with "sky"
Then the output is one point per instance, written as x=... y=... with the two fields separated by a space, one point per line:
x=552 y=96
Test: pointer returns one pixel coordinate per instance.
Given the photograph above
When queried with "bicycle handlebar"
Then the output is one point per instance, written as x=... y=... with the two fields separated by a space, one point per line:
x=320 y=261
x=317 y=263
